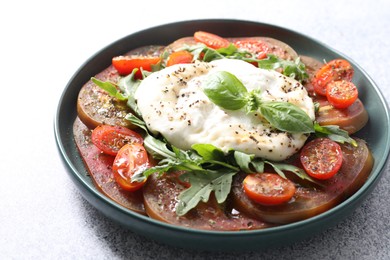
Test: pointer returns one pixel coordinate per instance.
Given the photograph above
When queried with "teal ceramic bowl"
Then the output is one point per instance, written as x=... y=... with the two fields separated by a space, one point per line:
x=376 y=133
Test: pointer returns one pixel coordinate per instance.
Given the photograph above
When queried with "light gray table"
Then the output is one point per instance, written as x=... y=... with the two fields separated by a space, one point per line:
x=42 y=214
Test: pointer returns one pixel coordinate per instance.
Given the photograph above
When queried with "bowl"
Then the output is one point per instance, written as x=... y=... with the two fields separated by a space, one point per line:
x=376 y=133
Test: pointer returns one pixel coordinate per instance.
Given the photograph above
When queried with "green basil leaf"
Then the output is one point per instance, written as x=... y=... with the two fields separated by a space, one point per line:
x=110 y=88
x=226 y=90
x=286 y=117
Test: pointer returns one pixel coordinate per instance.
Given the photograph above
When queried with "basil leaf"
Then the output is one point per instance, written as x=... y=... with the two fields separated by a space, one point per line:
x=286 y=117
x=225 y=90
x=110 y=88
x=202 y=184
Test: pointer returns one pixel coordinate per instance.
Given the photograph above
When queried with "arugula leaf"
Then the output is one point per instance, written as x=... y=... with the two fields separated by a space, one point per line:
x=129 y=86
x=335 y=133
x=202 y=184
x=280 y=167
x=209 y=152
x=110 y=88
x=295 y=69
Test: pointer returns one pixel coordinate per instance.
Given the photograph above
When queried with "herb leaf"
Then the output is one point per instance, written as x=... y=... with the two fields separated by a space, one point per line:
x=202 y=184
x=110 y=88
x=286 y=117
x=294 y=69
x=334 y=132
x=225 y=90
x=129 y=86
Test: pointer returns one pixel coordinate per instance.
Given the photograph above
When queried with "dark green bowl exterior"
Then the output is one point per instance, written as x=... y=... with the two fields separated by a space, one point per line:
x=376 y=133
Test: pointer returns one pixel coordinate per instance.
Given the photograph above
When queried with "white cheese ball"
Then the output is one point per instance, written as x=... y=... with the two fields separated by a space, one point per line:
x=172 y=102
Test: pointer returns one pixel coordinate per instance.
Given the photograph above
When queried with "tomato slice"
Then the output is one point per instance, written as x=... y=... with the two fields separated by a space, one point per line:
x=211 y=40
x=341 y=93
x=259 y=48
x=126 y=64
x=110 y=139
x=268 y=188
x=130 y=159
x=179 y=57
x=321 y=158
x=334 y=70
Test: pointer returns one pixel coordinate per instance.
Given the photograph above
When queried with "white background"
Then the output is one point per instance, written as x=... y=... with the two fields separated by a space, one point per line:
x=42 y=214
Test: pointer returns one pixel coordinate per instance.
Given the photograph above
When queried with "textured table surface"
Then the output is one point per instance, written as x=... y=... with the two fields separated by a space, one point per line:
x=43 y=215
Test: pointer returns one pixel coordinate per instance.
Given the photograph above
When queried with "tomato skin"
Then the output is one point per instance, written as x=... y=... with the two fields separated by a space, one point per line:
x=110 y=139
x=211 y=40
x=179 y=57
x=321 y=158
x=268 y=188
x=126 y=64
x=130 y=159
x=338 y=69
x=341 y=93
x=259 y=48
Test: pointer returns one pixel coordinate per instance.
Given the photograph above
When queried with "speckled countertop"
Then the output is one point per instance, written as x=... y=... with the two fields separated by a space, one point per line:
x=43 y=215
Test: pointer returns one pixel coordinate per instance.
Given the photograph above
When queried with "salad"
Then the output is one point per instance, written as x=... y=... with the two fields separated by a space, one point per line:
x=223 y=133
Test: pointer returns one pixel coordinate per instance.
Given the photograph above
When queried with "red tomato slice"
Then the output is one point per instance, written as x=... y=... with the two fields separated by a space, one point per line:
x=341 y=93
x=259 y=48
x=322 y=158
x=334 y=70
x=130 y=159
x=211 y=40
x=268 y=188
x=179 y=57
x=126 y=64
x=109 y=139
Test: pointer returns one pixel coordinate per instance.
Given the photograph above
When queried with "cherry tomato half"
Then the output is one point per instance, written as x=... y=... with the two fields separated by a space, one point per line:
x=341 y=93
x=179 y=57
x=126 y=64
x=321 y=158
x=268 y=188
x=211 y=40
x=334 y=70
x=259 y=48
x=110 y=139
x=130 y=159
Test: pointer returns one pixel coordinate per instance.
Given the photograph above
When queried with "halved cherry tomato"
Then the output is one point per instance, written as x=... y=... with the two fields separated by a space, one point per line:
x=322 y=158
x=130 y=159
x=268 y=188
x=341 y=93
x=334 y=70
x=259 y=48
x=179 y=57
x=110 y=139
x=211 y=40
x=126 y=64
